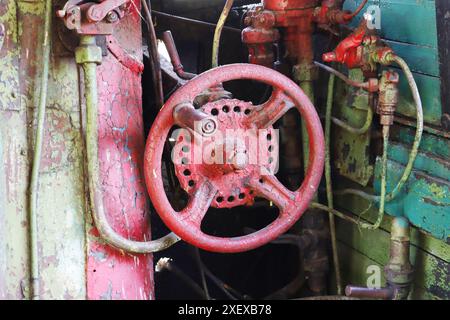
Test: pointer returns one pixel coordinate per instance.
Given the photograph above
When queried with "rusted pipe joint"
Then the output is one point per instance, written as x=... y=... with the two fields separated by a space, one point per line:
x=388 y=97
x=399 y=271
x=259 y=36
x=88 y=51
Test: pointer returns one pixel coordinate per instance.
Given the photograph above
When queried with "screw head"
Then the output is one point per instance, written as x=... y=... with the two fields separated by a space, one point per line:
x=112 y=17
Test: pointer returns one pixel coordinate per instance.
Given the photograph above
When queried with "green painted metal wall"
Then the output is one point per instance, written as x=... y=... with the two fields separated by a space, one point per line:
x=409 y=27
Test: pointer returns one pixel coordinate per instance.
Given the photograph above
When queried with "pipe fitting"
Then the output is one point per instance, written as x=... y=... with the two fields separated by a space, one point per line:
x=388 y=97
x=399 y=271
x=187 y=116
x=88 y=51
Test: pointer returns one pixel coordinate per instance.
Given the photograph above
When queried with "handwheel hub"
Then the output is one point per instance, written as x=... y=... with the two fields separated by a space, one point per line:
x=237 y=152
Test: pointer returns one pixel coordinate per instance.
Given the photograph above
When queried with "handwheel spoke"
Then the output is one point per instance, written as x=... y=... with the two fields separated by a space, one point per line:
x=199 y=203
x=273 y=190
x=269 y=112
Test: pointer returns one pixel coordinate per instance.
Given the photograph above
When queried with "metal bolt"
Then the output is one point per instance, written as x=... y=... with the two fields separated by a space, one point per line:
x=112 y=17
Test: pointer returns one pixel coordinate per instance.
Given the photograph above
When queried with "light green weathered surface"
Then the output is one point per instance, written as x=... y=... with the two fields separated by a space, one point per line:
x=350 y=150
x=61 y=194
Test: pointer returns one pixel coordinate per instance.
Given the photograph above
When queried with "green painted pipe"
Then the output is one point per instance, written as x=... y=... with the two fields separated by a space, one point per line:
x=329 y=188
x=34 y=181
x=88 y=55
x=382 y=202
x=218 y=32
x=366 y=126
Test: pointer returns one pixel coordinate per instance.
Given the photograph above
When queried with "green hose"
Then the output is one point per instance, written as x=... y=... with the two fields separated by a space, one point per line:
x=366 y=126
x=383 y=198
x=329 y=185
x=218 y=32
x=341 y=215
x=415 y=147
x=34 y=182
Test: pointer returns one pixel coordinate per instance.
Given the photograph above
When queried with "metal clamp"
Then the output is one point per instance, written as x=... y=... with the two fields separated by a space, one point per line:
x=89 y=18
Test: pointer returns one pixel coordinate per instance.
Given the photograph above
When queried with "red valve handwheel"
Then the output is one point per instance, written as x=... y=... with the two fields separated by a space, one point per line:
x=227 y=185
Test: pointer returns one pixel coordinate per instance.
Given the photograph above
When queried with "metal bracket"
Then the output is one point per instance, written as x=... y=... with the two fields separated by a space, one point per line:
x=90 y=18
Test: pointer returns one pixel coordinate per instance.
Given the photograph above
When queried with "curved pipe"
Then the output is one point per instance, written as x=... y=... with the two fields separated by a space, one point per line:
x=218 y=32
x=95 y=191
x=174 y=57
x=350 y=16
x=343 y=77
x=419 y=131
x=356 y=84
x=34 y=182
x=329 y=188
x=358 y=131
x=382 y=197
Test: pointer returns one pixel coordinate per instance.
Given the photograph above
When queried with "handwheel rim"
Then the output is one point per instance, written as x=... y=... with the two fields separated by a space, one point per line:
x=164 y=122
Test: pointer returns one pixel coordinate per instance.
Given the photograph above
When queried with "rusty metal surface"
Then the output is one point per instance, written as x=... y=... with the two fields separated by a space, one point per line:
x=234 y=191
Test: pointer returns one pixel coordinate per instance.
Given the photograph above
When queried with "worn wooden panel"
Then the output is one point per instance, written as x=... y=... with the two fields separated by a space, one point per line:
x=424 y=60
x=417 y=18
x=14 y=163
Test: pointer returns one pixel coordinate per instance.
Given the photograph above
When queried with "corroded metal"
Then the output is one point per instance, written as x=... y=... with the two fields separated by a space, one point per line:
x=388 y=97
x=398 y=270
x=229 y=165
x=186 y=223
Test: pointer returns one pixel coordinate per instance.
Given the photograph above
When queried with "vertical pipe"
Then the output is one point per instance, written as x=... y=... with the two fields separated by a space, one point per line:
x=218 y=32
x=34 y=182
x=302 y=48
x=329 y=186
x=154 y=58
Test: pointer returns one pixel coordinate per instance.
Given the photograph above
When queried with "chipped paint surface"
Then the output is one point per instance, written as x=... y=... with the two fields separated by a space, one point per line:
x=112 y=274
x=68 y=248
x=351 y=151
x=14 y=175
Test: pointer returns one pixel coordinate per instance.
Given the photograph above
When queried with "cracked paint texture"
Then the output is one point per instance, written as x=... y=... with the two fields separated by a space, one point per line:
x=74 y=263
x=112 y=274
